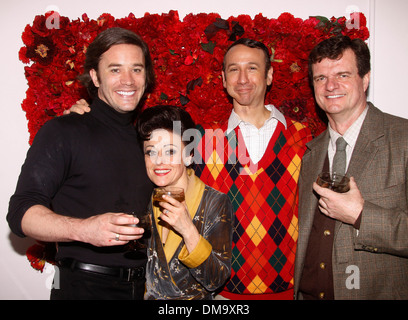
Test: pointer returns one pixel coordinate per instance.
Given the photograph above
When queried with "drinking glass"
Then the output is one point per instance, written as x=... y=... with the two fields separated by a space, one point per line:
x=333 y=181
x=174 y=192
x=145 y=222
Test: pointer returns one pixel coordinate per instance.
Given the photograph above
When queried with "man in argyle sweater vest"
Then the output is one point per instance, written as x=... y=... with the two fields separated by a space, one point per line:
x=256 y=159
x=264 y=197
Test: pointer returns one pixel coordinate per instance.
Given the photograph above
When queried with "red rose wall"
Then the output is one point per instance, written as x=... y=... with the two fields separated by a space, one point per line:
x=187 y=57
x=387 y=40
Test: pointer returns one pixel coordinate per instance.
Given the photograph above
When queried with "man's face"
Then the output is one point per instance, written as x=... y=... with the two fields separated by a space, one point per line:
x=121 y=78
x=339 y=90
x=244 y=76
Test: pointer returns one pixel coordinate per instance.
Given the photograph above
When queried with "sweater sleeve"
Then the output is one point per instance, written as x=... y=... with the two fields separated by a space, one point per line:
x=41 y=175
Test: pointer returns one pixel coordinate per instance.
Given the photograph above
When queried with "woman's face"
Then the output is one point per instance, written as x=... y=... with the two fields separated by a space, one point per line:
x=164 y=158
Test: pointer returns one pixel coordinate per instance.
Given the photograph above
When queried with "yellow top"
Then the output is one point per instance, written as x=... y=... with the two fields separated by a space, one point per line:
x=203 y=249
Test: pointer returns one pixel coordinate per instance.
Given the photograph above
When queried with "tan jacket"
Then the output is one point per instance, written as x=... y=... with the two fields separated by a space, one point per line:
x=373 y=262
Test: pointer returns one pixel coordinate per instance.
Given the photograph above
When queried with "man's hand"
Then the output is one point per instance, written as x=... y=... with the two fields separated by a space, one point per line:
x=345 y=207
x=109 y=229
x=80 y=107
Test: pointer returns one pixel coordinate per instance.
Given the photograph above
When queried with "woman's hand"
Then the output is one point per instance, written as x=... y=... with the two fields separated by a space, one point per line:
x=177 y=216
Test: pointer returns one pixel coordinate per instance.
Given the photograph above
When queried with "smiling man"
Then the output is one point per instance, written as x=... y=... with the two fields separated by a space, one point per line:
x=246 y=76
x=340 y=89
x=352 y=245
x=83 y=173
x=121 y=77
x=257 y=163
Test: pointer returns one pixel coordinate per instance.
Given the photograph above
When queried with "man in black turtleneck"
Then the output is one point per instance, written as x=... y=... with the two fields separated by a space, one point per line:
x=83 y=173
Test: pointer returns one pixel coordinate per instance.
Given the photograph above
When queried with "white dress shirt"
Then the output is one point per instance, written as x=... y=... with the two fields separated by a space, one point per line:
x=350 y=136
x=256 y=140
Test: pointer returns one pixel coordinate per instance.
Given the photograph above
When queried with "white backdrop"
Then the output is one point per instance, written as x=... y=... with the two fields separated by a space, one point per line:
x=388 y=43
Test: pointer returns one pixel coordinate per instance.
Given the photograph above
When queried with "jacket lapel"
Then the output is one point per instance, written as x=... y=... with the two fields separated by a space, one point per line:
x=367 y=146
x=368 y=143
x=312 y=164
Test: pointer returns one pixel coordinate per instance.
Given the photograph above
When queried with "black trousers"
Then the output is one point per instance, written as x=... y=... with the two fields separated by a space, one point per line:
x=83 y=285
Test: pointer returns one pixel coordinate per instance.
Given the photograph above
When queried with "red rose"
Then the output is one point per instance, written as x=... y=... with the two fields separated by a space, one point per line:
x=39 y=26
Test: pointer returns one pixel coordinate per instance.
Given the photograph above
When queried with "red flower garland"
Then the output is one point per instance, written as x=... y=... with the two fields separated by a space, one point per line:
x=187 y=59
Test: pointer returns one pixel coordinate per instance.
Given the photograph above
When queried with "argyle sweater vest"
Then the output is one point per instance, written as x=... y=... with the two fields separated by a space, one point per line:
x=265 y=202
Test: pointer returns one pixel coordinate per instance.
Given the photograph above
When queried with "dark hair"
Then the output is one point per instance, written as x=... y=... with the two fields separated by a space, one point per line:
x=333 y=49
x=255 y=45
x=102 y=43
x=165 y=117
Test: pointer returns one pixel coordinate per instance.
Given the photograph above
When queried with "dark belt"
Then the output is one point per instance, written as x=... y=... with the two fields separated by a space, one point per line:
x=128 y=274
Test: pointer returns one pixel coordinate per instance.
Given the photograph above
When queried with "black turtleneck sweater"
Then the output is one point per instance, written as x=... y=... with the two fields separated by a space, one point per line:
x=81 y=166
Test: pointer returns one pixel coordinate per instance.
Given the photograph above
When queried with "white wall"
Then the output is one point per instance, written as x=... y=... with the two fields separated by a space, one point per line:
x=388 y=42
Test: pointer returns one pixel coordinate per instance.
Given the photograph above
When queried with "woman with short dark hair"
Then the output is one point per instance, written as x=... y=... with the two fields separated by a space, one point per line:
x=189 y=252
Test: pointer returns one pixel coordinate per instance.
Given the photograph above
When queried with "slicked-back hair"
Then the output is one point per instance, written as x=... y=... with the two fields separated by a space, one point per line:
x=102 y=43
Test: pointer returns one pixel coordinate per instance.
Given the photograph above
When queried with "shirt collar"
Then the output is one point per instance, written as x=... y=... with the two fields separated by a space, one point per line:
x=351 y=134
x=234 y=120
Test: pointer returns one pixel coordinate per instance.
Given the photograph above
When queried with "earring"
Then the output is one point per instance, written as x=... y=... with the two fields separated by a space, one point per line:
x=188 y=161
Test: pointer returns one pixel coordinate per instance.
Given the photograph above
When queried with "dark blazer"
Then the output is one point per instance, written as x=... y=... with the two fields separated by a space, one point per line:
x=379 y=249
